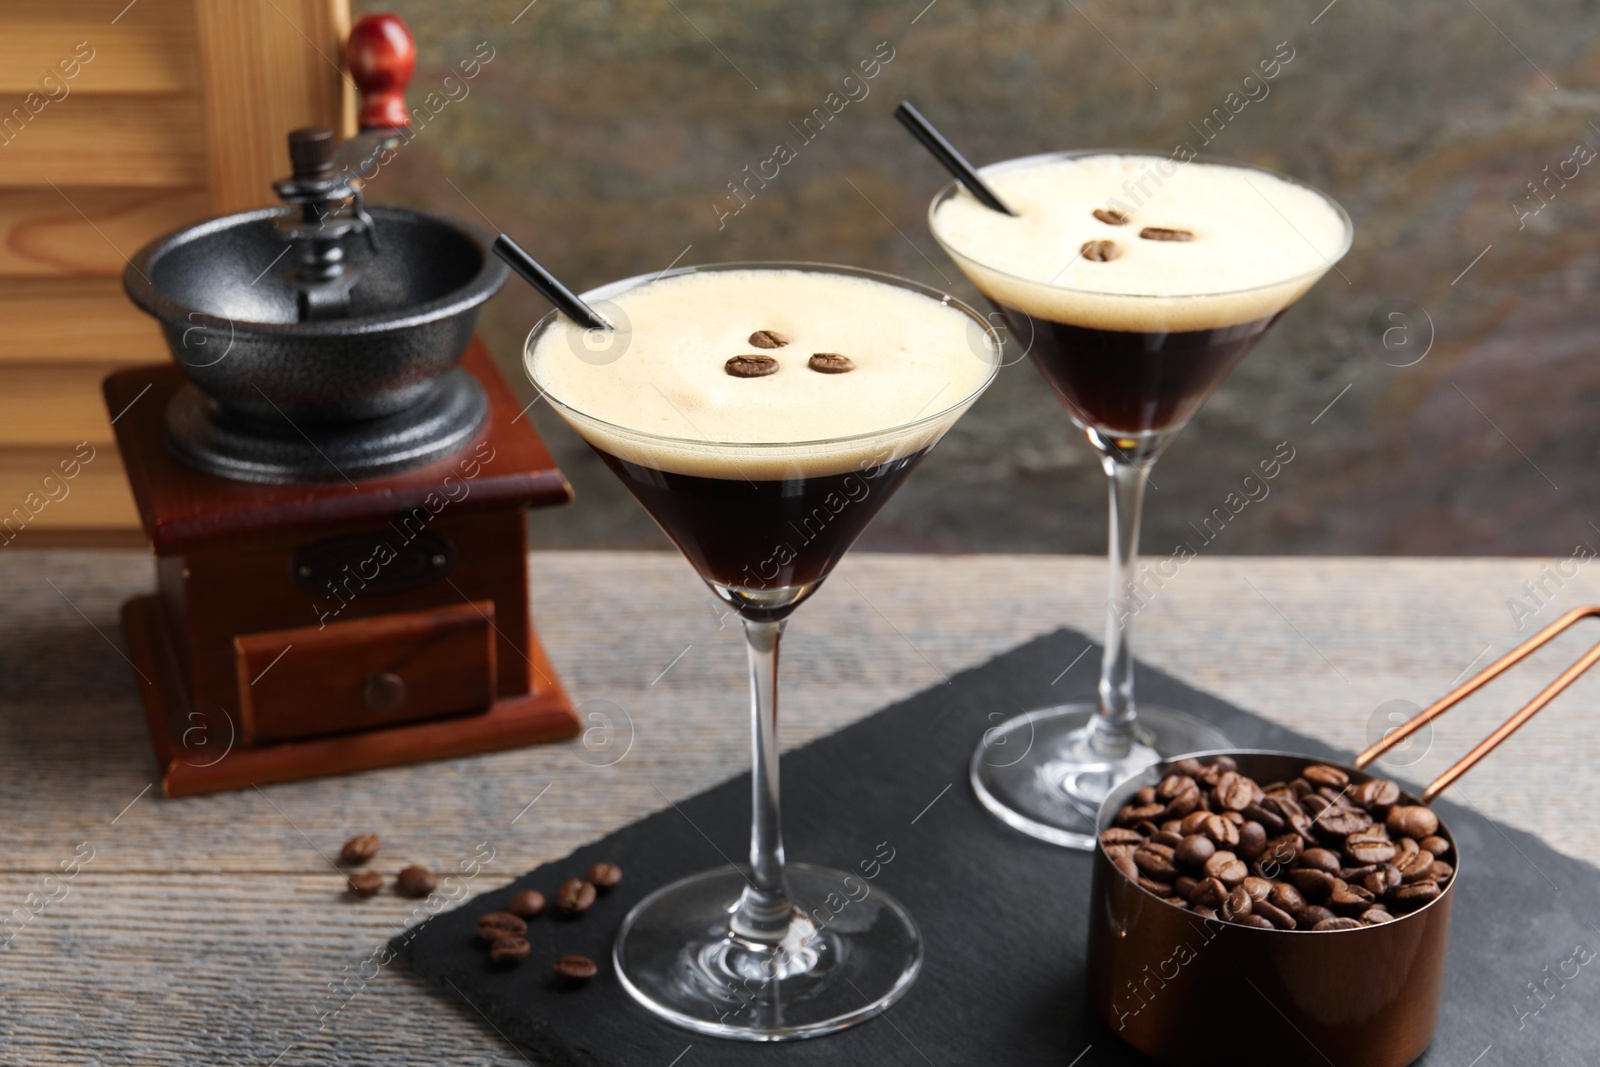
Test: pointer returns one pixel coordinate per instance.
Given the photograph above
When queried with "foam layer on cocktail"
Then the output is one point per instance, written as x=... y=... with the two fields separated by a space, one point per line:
x=1258 y=241
x=668 y=402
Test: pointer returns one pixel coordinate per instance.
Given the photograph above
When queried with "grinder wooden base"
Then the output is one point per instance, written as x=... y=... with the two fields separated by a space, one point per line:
x=305 y=630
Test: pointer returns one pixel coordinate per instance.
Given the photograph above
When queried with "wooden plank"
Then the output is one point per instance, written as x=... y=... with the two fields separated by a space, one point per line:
x=267 y=69
x=43 y=232
x=145 y=47
x=53 y=403
x=1397 y=628
x=38 y=498
x=46 y=319
x=126 y=141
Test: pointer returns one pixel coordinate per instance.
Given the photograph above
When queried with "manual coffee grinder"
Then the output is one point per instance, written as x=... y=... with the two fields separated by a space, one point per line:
x=334 y=479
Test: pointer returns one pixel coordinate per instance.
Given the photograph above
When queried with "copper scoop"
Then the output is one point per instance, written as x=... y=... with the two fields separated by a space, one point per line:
x=1192 y=991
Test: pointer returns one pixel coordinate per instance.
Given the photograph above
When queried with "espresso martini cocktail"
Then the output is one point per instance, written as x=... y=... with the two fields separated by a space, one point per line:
x=1136 y=283
x=763 y=414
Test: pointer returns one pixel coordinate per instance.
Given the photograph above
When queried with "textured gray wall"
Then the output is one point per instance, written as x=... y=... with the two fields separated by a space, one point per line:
x=603 y=135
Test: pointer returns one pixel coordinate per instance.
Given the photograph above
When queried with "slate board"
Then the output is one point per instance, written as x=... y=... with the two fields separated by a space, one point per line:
x=998 y=985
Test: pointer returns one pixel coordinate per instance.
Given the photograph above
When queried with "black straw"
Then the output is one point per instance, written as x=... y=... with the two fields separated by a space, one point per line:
x=533 y=272
x=947 y=155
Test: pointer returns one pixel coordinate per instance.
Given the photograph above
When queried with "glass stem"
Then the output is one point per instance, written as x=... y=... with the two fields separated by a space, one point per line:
x=1111 y=732
x=765 y=909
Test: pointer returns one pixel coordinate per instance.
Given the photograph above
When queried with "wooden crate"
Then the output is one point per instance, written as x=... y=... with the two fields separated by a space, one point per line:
x=119 y=122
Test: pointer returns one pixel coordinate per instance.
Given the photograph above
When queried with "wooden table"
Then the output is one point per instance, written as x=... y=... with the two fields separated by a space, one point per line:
x=213 y=930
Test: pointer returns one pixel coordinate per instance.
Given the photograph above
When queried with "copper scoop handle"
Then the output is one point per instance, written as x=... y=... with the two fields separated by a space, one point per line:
x=1478 y=681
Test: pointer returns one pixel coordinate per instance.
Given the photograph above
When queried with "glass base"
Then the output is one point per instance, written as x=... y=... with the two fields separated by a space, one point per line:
x=851 y=951
x=1037 y=773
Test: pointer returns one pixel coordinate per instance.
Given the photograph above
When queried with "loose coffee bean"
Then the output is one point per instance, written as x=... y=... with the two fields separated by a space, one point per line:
x=1413 y=820
x=1416 y=893
x=1222 y=831
x=528 y=904
x=1350 y=899
x=1162 y=233
x=1364 y=848
x=1374 y=916
x=751 y=366
x=1171 y=838
x=1111 y=216
x=365 y=884
x=1258 y=921
x=1185 y=886
x=1234 y=792
x=1377 y=793
x=1281 y=853
x=1204 y=912
x=1315 y=884
x=1233 y=872
x=1145 y=795
x=1322 y=774
x=1440 y=871
x=1436 y=845
x=1258 y=888
x=1173 y=784
x=508 y=951
x=1137 y=813
x=416 y=882
x=1252 y=841
x=1414 y=866
x=1156 y=861
x=1340 y=923
x=605 y=875
x=768 y=339
x=1211 y=893
x=575 y=896
x=1177 y=902
x=497 y=924
x=1273 y=914
x=1320 y=859
x=576 y=969
x=1309 y=916
x=830 y=363
x=1342 y=822
x=1100 y=251
x=1286 y=897
x=1156 y=886
x=1194 y=850
x=359 y=849
x=1116 y=835
x=1266 y=817
x=1237 y=903
x=1124 y=863
x=1185 y=802
x=1193 y=823
x=1381 y=880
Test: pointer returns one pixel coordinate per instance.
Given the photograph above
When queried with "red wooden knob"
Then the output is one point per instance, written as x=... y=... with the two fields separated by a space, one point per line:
x=381 y=56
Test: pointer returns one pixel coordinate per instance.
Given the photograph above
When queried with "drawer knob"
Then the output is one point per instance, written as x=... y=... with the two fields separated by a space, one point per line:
x=384 y=692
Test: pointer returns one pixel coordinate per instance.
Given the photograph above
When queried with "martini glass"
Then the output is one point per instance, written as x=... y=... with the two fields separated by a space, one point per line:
x=770 y=950
x=1132 y=356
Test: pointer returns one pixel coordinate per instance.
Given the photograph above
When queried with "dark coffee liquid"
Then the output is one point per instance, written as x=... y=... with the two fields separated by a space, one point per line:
x=1129 y=382
x=763 y=534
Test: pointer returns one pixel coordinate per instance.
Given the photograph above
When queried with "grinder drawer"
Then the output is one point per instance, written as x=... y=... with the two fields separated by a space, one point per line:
x=376 y=671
